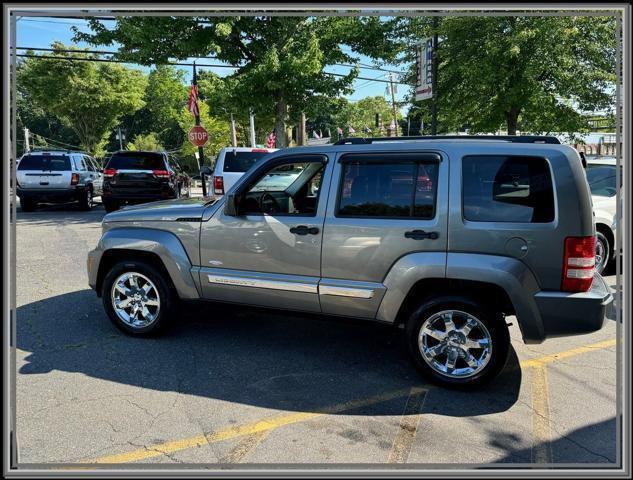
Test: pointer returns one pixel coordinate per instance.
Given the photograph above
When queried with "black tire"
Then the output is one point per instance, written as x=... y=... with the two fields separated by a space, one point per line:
x=606 y=257
x=166 y=294
x=110 y=206
x=86 y=200
x=28 y=204
x=493 y=322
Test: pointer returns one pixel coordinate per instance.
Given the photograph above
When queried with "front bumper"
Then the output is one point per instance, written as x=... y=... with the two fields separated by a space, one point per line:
x=92 y=264
x=565 y=313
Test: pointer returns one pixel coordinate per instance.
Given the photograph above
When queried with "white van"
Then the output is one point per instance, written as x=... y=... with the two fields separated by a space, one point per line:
x=230 y=164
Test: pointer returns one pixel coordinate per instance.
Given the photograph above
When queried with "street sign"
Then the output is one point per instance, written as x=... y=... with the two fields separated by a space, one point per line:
x=424 y=70
x=198 y=136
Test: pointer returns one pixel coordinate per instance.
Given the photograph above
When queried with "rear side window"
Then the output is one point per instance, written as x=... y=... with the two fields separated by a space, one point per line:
x=241 y=161
x=53 y=163
x=601 y=179
x=499 y=188
x=137 y=161
x=388 y=189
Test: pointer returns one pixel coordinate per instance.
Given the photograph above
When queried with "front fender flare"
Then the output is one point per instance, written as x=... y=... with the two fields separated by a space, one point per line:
x=159 y=242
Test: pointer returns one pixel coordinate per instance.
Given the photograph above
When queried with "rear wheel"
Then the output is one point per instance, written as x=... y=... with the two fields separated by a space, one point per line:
x=86 y=200
x=28 y=204
x=457 y=342
x=110 y=205
x=138 y=298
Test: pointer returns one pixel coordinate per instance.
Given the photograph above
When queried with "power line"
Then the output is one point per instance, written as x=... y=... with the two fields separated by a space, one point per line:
x=362 y=66
x=110 y=60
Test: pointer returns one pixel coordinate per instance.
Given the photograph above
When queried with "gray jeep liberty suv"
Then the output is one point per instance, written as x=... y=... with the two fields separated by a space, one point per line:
x=440 y=236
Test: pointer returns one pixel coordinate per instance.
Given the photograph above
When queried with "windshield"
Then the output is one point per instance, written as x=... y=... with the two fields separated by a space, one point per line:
x=53 y=163
x=241 y=161
x=278 y=179
x=136 y=161
x=601 y=180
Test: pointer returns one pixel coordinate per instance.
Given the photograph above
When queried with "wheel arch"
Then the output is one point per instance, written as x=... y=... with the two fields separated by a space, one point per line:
x=159 y=248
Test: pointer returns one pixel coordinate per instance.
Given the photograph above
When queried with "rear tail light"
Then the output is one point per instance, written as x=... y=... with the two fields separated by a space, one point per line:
x=161 y=173
x=218 y=185
x=109 y=172
x=580 y=263
x=74 y=179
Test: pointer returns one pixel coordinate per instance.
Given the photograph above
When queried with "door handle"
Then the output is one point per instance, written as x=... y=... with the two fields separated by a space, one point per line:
x=421 y=235
x=303 y=230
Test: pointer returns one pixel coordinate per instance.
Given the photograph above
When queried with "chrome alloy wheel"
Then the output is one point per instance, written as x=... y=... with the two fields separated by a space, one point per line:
x=135 y=300
x=455 y=344
x=601 y=255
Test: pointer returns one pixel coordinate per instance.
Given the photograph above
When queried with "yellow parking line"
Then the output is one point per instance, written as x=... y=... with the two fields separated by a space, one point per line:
x=288 y=419
x=536 y=362
x=244 y=447
x=409 y=423
x=246 y=429
x=541 y=428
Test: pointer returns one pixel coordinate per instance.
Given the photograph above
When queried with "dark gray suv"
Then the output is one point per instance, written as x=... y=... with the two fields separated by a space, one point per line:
x=444 y=237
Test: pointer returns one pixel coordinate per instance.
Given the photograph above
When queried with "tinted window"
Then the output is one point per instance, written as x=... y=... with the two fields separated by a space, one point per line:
x=45 y=162
x=241 y=161
x=602 y=180
x=137 y=161
x=380 y=189
x=507 y=189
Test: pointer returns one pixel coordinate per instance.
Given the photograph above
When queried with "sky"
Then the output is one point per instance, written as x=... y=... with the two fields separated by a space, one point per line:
x=40 y=32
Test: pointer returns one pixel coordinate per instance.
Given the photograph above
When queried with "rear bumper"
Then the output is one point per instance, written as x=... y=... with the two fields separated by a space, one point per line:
x=565 y=313
x=138 y=195
x=51 y=194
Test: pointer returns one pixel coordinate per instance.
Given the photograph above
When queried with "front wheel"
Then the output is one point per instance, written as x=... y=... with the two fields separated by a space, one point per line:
x=138 y=298
x=86 y=200
x=603 y=252
x=456 y=342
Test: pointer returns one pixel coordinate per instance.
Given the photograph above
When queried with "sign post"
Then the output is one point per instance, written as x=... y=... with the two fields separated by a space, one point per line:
x=426 y=74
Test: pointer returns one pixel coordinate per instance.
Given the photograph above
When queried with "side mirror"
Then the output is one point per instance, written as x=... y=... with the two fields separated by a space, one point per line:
x=230 y=205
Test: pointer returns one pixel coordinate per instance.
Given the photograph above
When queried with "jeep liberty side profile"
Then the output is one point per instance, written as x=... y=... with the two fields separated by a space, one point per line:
x=441 y=236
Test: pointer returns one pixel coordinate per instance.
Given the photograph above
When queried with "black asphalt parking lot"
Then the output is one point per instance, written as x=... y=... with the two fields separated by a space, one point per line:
x=228 y=385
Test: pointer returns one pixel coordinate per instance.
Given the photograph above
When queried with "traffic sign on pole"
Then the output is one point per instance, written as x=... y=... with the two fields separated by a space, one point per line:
x=198 y=136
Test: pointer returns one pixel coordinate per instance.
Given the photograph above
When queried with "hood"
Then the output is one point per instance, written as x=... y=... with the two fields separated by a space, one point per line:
x=165 y=210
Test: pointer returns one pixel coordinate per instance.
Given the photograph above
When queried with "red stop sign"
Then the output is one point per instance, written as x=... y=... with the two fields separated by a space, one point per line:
x=198 y=136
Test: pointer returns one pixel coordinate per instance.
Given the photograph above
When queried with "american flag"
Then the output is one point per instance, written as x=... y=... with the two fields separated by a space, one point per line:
x=339 y=130
x=192 y=105
x=272 y=138
x=351 y=130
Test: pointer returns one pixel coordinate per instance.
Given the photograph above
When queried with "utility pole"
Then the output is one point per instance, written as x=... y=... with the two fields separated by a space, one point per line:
x=434 y=79
x=408 y=125
x=302 y=130
x=200 y=149
x=233 y=134
x=393 y=103
x=120 y=137
x=27 y=144
x=252 y=122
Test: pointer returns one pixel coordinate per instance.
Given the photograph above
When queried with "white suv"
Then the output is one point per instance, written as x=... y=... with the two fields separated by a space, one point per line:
x=601 y=175
x=230 y=164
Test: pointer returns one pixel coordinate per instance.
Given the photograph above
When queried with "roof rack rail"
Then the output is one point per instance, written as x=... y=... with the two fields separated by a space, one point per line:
x=505 y=138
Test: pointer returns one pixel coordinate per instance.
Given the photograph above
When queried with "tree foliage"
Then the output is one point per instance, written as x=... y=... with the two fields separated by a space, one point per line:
x=88 y=97
x=148 y=142
x=537 y=74
x=281 y=60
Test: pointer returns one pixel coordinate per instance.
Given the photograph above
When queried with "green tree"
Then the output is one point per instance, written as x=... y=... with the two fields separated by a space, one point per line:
x=281 y=60
x=147 y=142
x=88 y=97
x=537 y=74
